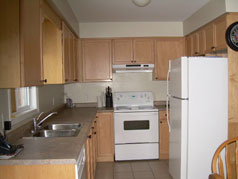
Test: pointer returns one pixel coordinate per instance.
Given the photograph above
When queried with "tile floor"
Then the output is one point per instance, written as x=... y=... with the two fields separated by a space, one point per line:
x=150 y=169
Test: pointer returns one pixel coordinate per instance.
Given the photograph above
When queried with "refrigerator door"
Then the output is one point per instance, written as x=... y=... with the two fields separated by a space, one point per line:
x=178 y=83
x=208 y=112
x=178 y=138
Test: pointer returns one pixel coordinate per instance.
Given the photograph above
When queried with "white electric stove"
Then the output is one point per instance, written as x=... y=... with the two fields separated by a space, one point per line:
x=135 y=126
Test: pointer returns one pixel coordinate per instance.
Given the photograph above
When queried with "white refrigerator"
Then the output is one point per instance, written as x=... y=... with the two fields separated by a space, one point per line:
x=198 y=98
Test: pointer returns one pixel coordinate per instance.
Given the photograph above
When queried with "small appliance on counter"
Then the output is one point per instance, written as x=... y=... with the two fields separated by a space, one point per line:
x=108 y=94
x=8 y=150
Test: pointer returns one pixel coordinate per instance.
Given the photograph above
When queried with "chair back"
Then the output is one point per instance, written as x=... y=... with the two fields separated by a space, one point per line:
x=230 y=147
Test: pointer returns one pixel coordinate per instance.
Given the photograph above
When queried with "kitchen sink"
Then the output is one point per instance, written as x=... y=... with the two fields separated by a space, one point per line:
x=57 y=133
x=63 y=126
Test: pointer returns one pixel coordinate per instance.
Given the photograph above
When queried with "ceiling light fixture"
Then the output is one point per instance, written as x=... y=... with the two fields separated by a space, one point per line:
x=141 y=3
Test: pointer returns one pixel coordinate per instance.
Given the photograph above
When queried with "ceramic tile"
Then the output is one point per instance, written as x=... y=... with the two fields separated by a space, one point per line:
x=143 y=175
x=123 y=175
x=140 y=166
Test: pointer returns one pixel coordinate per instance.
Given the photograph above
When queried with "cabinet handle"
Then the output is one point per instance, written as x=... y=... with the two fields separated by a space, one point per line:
x=196 y=53
x=89 y=136
x=45 y=80
x=92 y=127
x=75 y=79
x=95 y=132
x=110 y=78
x=95 y=121
x=66 y=80
x=156 y=78
x=213 y=47
x=165 y=114
x=96 y=116
x=160 y=122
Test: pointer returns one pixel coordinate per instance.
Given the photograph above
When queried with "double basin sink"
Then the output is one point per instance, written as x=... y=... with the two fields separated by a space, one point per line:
x=59 y=130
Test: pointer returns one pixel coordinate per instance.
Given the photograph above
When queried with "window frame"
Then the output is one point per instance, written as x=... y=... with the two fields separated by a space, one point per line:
x=27 y=111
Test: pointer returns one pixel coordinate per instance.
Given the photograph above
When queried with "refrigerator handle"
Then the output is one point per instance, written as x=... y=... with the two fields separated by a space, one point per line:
x=167 y=97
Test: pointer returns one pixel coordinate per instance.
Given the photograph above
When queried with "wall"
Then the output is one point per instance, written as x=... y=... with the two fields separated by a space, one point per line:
x=45 y=95
x=231 y=6
x=64 y=10
x=130 y=29
x=207 y=13
x=88 y=92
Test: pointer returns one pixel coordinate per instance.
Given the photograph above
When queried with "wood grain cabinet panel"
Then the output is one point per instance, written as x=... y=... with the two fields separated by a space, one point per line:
x=219 y=33
x=189 y=45
x=105 y=137
x=209 y=38
x=144 y=51
x=122 y=51
x=163 y=136
x=167 y=49
x=97 y=60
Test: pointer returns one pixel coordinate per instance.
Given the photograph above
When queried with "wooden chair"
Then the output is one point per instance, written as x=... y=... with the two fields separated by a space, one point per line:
x=227 y=147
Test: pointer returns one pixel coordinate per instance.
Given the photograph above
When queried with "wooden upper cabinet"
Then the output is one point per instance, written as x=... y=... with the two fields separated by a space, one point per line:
x=201 y=42
x=219 y=33
x=143 y=51
x=52 y=47
x=20 y=42
x=189 y=45
x=96 y=56
x=66 y=52
x=122 y=51
x=195 y=46
x=209 y=38
x=167 y=49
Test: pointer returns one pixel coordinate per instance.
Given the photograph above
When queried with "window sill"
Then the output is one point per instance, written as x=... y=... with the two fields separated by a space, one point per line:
x=19 y=117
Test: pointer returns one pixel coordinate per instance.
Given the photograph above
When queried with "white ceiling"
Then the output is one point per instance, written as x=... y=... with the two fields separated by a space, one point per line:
x=126 y=11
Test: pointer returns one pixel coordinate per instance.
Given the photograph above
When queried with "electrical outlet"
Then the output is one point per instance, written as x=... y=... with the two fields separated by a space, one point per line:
x=53 y=101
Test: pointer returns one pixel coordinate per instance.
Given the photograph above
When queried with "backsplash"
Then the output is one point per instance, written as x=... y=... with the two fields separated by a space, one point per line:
x=88 y=92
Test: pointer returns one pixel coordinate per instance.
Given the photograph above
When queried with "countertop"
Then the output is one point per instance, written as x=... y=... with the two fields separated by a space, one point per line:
x=59 y=150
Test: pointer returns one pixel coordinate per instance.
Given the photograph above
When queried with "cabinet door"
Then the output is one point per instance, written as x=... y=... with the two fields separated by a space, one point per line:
x=167 y=49
x=122 y=51
x=66 y=52
x=97 y=60
x=31 y=44
x=195 y=46
x=209 y=37
x=105 y=137
x=163 y=136
x=201 y=44
x=144 y=51
x=9 y=44
x=189 y=45
x=219 y=33
x=88 y=153
x=52 y=52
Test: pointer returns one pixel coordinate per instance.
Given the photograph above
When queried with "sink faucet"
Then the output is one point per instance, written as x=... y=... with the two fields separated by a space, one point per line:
x=37 y=125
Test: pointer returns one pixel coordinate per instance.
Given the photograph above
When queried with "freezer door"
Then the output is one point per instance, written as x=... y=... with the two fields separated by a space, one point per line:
x=178 y=138
x=178 y=83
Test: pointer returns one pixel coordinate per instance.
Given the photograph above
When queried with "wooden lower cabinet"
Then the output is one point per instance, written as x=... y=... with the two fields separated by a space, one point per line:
x=163 y=136
x=91 y=155
x=105 y=137
x=37 y=171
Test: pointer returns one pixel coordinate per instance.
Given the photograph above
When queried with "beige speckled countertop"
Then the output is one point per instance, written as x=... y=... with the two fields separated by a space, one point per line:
x=59 y=150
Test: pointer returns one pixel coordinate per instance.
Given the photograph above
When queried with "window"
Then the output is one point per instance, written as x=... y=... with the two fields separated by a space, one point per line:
x=23 y=103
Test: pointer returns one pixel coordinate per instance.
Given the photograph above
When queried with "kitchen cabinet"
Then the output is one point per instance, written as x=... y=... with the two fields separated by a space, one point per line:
x=215 y=35
x=96 y=56
x=189 y=45
x=91 y=149
x=144 y=51
x=133 y=51
x=195 y=43
x=105 y=137
x=167 y=49
x=163 y=136
x=20 y=44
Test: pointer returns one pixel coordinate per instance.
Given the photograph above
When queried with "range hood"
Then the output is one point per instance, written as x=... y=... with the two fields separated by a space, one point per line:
x=133 y=68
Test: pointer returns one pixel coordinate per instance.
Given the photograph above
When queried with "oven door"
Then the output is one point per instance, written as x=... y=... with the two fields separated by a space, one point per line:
x=136 y=127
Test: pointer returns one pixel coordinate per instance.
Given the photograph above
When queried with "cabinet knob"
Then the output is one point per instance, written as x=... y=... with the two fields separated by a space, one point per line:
x=165 y=114
x=66 y=80
x=76 y=79
x=156 y=78
x=213 y=47
x=89 y=136
x=95 y=121
x=160 y=122
x=95 y=132
x=96 y=116
x=45 y=80
x=92 y=127
x=196 y=53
